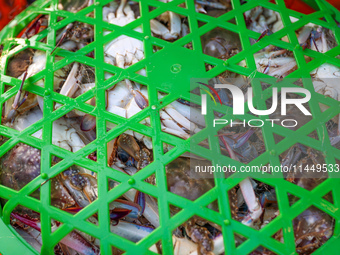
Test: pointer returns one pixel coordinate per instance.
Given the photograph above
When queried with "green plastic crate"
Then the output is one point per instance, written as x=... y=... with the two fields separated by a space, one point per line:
x=161 y=67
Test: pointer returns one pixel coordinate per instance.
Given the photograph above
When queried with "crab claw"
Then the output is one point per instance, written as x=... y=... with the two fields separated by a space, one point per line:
x=119 y=213
x=140 y=199
x=134 y=208
x=175 y=27
x=73 y=210
x=73 y=240
x=252 y=202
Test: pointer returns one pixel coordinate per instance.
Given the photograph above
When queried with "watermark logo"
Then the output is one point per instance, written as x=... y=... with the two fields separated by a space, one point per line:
x=239 y=98
x=288 y=98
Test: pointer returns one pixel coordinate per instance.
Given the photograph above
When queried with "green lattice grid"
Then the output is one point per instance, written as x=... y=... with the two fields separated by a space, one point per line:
x=160 y=77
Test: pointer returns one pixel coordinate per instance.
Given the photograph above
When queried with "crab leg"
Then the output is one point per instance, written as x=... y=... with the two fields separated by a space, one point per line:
x=62 y=36
x=151 y=209
x=168 y=122
x=248 y=193
x=213 y=5
x=71 y=84
x=72 y=240
x=188 y=112
x=16 y=104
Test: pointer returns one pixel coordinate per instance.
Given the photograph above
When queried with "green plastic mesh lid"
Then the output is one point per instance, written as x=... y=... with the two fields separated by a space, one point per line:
x=167 y=67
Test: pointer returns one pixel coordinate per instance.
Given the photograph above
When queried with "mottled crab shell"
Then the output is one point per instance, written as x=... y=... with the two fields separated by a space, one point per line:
x=312 y=228
x=188 y=184
x=21 y=165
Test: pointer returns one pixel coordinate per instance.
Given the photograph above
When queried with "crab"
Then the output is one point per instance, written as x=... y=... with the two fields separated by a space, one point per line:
x=126 y=146
x=182 y=181
x=34 y=63
x=122 y=51
x=71 y=190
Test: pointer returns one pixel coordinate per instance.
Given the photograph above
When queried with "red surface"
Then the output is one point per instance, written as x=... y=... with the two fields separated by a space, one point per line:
x=299 y=6
x=335 y=3
x=9 y=9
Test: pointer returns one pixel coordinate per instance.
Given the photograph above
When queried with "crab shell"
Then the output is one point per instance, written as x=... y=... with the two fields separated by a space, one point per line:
x=21 y=165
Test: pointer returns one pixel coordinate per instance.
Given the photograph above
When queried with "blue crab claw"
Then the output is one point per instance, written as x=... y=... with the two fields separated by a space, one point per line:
x=140 y=199
x=119 y=213
x=73 y=240
x=135 y=209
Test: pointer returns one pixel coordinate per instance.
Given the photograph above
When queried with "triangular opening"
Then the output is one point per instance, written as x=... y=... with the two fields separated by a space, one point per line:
x=108 y=75
x=293 y=199
x=142 y=71
x=116 y=251
x=285 y=39
x=55 y=159
x=189 y=45
x=91 y=54
x=156 y=248
x=293 y=19
x=35 y=193
x=183 y=5
x=329 y=197
x=262 y=250
x=69 y=33
x=112 y=184
x=213 y=206
x=151 y=179
x=146 y=122
x=279 y=236
x=278 y=138
x=265 y=85
x=91 y=101
x=156 y=48
x=324 y=106
x=209 y=66
x=267 y=65
x=55 y=224
x=239 y=239
x=201 y=23
x=57 y=105
x=310 y=37
x=93 y=156
x=110 y=125
x=38 y=134
x=90 y=14
x=167 y=147
x=174 y=209
x=93 y=219
x=57 y=58
x=313 y=135
x=205 y=144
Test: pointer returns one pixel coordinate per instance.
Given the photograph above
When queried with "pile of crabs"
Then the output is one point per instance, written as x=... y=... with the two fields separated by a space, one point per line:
x=135 y=215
